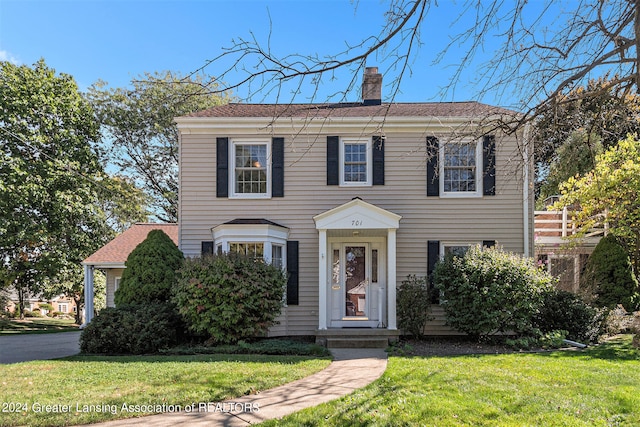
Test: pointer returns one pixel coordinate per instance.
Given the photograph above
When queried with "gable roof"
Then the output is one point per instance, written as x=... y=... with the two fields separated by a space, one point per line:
x=425 y=109
x=117 y=250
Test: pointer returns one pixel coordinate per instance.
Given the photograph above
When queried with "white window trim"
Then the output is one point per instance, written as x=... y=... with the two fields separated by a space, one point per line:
x=116 y=283
x=353 y=140
x=445 y=244
x=232 y=168
x=479 y=171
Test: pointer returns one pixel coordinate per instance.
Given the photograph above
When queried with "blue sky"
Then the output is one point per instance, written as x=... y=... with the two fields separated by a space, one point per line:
x=117 y=41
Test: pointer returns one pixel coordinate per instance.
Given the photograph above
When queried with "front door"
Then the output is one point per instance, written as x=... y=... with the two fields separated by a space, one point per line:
x=356 y=284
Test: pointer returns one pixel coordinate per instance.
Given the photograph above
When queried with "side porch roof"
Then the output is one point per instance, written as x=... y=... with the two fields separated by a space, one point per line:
x=115 y=253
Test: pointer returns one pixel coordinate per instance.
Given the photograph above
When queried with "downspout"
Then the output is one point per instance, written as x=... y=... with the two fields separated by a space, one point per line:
x=526 y=207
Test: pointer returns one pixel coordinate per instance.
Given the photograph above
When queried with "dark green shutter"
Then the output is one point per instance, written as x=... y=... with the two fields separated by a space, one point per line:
x=378 y=160
x=333 y=160
x=433 y=181
x=207 y=248
x=489 y=165
x=277 y=167
x=433 y=256
x=292 y=270
x=222 y=167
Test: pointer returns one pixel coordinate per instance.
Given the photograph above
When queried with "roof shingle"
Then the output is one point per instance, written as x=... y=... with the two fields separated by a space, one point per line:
x=117 y=250
x=427 y=109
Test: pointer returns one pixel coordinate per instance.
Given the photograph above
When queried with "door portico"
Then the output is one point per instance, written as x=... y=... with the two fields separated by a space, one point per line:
x=357 y=266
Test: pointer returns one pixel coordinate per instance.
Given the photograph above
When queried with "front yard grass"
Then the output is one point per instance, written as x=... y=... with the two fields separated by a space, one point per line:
x=596 y=387
x=104 y=381
x=36 y=325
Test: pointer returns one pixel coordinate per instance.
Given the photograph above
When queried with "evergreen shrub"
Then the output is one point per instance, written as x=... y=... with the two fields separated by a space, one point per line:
x=151 y=271
x=608 y=278
x=413 y=302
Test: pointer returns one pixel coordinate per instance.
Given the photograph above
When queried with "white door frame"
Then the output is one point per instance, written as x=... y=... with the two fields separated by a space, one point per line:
x=359 y=218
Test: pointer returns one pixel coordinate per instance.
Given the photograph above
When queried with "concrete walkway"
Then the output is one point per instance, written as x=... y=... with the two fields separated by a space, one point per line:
x=350 y=370
x=25 y=347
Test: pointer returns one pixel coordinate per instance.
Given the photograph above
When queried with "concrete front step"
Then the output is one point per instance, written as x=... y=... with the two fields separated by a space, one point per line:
x=344 y=342
x=356 y=337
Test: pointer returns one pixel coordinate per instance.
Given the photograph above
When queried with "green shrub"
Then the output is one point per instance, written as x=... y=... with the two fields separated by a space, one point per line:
x=562 y=310
x=34 y=313
x=151 y=271
x=488 y=291
x=413 y=303
x=132 y=329
x=229 y=297
x=608 y=278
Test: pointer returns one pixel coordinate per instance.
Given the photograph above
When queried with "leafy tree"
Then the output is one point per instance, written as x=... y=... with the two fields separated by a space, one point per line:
x=140 y=136
x=48 y=174
x=229 y=297
x=608 y=279
x=151 y=271
x=611 y=189
x=575 y=157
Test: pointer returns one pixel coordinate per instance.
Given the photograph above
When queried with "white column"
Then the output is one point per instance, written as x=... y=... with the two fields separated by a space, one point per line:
x=322 y=280
x=391 y=281
x=88 y=295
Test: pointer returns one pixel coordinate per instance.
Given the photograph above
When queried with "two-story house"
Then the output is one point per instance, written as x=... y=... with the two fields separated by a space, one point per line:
x=351 y=198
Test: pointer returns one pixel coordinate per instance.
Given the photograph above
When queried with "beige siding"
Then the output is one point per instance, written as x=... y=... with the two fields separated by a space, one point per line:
x=111 y=274
x=424 y=218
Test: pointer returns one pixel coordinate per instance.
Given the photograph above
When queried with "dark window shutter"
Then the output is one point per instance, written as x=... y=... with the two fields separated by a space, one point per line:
x=433 y=255
x=292 y=270
x=277 y=167
x=333 y=160
x=222 y=167
x=433 y=182
x=489 y=165
x=488 y=243
x=207 y=248
x=378 y=160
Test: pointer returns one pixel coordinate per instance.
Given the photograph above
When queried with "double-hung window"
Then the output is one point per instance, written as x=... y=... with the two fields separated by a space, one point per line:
x=250 y=168
x=461 y=169
x=355 y=162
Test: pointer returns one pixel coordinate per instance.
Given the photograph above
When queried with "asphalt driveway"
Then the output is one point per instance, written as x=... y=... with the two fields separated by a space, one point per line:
x=25 y=347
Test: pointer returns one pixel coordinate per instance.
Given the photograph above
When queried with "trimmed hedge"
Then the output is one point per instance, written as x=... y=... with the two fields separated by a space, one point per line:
x=413 y=301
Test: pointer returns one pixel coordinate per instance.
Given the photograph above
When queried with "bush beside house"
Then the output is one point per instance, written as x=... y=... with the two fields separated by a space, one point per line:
x=151 y=271
x=144 y=319
x=229 y=297
x=488 y=291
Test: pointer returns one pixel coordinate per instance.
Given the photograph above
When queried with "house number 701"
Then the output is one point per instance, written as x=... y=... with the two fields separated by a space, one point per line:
x=356 y=222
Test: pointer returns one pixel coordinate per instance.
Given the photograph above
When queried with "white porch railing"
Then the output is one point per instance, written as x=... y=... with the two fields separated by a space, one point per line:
x=558 y=225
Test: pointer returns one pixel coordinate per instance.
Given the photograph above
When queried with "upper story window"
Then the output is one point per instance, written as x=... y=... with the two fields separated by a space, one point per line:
x=460 y=169
x=356 y=163
x=250 y=169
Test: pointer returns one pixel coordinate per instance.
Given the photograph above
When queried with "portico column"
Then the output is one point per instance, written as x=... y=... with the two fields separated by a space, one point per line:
x=391 y=272
x=88 y=295
x=322 y=279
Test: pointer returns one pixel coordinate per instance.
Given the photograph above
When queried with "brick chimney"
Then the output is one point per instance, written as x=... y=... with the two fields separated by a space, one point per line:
x=372 y=86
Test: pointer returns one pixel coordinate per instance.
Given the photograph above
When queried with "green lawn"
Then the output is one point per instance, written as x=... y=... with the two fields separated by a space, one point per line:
x=596 y=387
x=36 y=325
x=72 y=383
